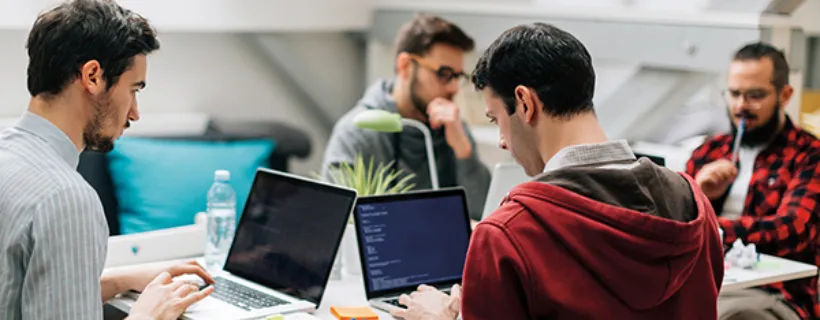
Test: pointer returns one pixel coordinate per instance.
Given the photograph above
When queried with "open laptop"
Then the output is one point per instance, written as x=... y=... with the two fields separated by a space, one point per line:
x=410 y=239
x=283 y=249
x=507 y=175
x=661 y=161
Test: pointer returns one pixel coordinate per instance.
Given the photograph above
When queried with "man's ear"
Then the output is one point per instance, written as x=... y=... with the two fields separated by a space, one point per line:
x=786 y=95
x=403 y=65
x=91 y=77
x=526 y=103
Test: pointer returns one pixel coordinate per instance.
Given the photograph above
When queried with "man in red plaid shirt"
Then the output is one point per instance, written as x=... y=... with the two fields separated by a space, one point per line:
x=769 y=195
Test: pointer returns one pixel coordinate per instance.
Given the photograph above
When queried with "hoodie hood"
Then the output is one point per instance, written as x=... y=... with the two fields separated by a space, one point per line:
x=638 y=228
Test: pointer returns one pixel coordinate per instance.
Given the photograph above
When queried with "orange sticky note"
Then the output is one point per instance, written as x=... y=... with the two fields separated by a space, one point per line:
x=353 y=313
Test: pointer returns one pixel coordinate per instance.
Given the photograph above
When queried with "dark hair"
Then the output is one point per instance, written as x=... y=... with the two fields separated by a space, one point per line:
x=63 y=39
x=549 y=60
x=759 y=50
x=425 y=30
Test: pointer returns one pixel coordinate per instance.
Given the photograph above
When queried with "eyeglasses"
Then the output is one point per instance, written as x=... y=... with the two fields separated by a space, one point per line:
x=445 y=74
x=754 y=97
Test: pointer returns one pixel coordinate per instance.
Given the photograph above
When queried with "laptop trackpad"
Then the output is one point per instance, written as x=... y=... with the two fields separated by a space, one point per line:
x=212 y=308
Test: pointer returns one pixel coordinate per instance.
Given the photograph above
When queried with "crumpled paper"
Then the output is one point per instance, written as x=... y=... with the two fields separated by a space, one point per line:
x=742 y=256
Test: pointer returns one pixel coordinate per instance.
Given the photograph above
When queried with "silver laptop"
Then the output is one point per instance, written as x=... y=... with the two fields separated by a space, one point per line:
x=506 y=175
x=283 y=250
x=410 y=239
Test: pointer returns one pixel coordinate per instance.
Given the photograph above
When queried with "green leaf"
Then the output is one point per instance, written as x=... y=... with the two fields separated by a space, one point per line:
x=370 y=178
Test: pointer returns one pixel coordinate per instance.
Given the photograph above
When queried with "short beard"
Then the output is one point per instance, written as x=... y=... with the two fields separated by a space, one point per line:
x=93 y=136
x=761 y=135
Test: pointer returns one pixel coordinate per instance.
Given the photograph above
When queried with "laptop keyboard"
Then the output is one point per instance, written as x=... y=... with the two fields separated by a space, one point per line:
x=242 y=296
x=394 y=302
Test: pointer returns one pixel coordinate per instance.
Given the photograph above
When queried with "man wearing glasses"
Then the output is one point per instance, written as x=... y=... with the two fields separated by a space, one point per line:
x=429 y=72
x=763 y=179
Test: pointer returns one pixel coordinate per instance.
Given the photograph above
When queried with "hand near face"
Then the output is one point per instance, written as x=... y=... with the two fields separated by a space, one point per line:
x=427 y=303
x=716 y=177
x=445 y=113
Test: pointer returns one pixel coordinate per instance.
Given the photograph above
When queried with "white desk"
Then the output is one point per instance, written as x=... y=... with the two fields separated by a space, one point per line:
x=771 y=269
x=346 y=292
x=350 y=290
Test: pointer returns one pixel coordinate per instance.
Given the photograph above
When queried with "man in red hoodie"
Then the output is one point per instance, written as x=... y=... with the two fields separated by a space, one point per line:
x=598 y=234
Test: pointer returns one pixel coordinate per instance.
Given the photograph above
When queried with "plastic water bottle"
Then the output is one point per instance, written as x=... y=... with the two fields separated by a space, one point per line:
x=221 y=220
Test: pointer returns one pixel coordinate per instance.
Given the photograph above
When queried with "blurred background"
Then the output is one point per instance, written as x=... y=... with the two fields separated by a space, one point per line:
x=300 y=65
x=307 y=62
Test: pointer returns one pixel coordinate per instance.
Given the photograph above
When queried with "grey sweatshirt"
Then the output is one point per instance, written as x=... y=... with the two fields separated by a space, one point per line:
x=347 y=141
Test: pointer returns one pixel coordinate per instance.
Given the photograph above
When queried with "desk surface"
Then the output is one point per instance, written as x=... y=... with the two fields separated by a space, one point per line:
x=770 y=269
x=350 y=291
x=346 y=292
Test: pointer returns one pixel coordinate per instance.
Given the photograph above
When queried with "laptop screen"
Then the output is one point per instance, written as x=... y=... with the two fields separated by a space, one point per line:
x=288 y=234
x=661 y=161
x=411 y=239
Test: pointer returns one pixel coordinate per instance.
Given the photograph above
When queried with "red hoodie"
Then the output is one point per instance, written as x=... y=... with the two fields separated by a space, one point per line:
x=590 y=243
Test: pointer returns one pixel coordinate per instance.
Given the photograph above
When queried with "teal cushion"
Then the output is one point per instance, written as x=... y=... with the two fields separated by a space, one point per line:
x=163 y=183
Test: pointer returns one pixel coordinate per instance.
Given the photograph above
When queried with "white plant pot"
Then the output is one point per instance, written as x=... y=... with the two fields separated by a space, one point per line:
x=350 y=252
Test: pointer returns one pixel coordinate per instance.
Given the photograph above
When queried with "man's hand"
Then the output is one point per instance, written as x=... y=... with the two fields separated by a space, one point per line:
x=427 y=303
x=443 y=112
x=139 y=277
x=165 y=299
x=714 y=178
x=122 y=279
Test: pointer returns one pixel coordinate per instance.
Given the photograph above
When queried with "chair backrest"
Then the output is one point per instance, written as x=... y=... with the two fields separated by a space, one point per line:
x=93 y=166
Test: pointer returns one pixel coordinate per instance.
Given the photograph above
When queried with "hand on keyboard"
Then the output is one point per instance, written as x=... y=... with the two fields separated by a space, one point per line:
x=136 y=278
x=429 y=303
x=165 y=299
x=394 y=302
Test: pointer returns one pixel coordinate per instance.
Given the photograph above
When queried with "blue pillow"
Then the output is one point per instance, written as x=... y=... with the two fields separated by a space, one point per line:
x=162 y=184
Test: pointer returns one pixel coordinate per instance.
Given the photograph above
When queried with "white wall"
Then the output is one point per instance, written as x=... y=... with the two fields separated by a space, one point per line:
x=13 y=63
x=219 y=15
x=806 y=16
x=328 y=67
x=211 y=73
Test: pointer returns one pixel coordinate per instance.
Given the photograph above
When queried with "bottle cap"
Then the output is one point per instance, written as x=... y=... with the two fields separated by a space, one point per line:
x=222 y=175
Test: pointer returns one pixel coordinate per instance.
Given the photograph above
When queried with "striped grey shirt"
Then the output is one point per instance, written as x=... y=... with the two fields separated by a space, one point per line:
x=53 y=233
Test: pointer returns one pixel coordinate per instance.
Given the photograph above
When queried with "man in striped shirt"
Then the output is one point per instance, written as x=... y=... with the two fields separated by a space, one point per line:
x=87 y=61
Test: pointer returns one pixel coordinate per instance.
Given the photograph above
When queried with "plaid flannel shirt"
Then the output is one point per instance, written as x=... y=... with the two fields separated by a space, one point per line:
x=780 y=215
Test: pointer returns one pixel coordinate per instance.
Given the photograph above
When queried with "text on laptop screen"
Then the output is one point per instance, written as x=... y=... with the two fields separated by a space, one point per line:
x=413 y=241
x=288 y=235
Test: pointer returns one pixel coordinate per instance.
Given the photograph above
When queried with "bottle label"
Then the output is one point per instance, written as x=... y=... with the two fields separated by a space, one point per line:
x=221 y=212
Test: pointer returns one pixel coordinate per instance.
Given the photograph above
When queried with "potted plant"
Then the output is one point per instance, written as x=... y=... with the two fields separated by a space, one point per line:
x=368 y=179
